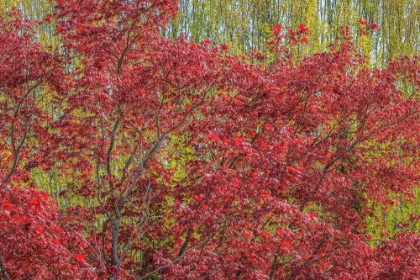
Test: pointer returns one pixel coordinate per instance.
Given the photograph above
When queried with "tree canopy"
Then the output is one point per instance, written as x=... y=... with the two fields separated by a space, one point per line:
x=178 y=159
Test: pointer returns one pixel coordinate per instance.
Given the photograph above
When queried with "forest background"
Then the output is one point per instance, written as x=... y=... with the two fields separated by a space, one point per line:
x=246 y=25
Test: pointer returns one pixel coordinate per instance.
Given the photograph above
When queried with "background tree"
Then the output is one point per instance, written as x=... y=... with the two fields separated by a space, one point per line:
x=245 y=25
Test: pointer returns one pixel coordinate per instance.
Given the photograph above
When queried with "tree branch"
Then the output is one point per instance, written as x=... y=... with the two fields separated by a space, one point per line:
x=3 y=269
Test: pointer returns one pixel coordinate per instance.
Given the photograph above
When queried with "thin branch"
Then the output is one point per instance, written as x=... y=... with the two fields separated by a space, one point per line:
x=185 y=244
x=3 y=269
x=111 y=146
x=16 y=151
x=99 y=183
x=273 y=267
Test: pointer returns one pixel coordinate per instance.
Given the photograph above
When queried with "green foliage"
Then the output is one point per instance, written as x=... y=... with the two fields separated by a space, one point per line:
x=245 y=25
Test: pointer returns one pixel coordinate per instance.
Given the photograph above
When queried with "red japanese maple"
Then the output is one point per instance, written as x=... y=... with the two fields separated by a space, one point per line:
x=286 y=156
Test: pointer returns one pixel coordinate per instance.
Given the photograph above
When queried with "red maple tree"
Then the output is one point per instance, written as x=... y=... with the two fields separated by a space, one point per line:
x=287 y=156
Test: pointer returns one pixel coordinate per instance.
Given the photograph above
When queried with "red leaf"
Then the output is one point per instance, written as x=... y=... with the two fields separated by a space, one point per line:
x=276 y=29
x=238 y=141
x=7 y=206
x=79 y=257
x=303 y=28
x=265 y=194
x=79 y=27
x=268 y=126
x=39 y=230
x=265 y=234
x=286 y=244
x=6 y=214
x=236 y=182
x=206 y=42
x=374 y=26
x=224 y=47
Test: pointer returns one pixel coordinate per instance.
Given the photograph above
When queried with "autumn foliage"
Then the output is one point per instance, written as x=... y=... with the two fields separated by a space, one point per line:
x=286 y=158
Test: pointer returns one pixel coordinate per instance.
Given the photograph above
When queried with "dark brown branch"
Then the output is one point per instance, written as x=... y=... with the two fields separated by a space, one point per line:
x=273 y=267
x=3 y=269
x=185 y=244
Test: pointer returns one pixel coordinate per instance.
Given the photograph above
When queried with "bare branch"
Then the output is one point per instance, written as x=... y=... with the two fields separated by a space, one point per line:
x=3 y=269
